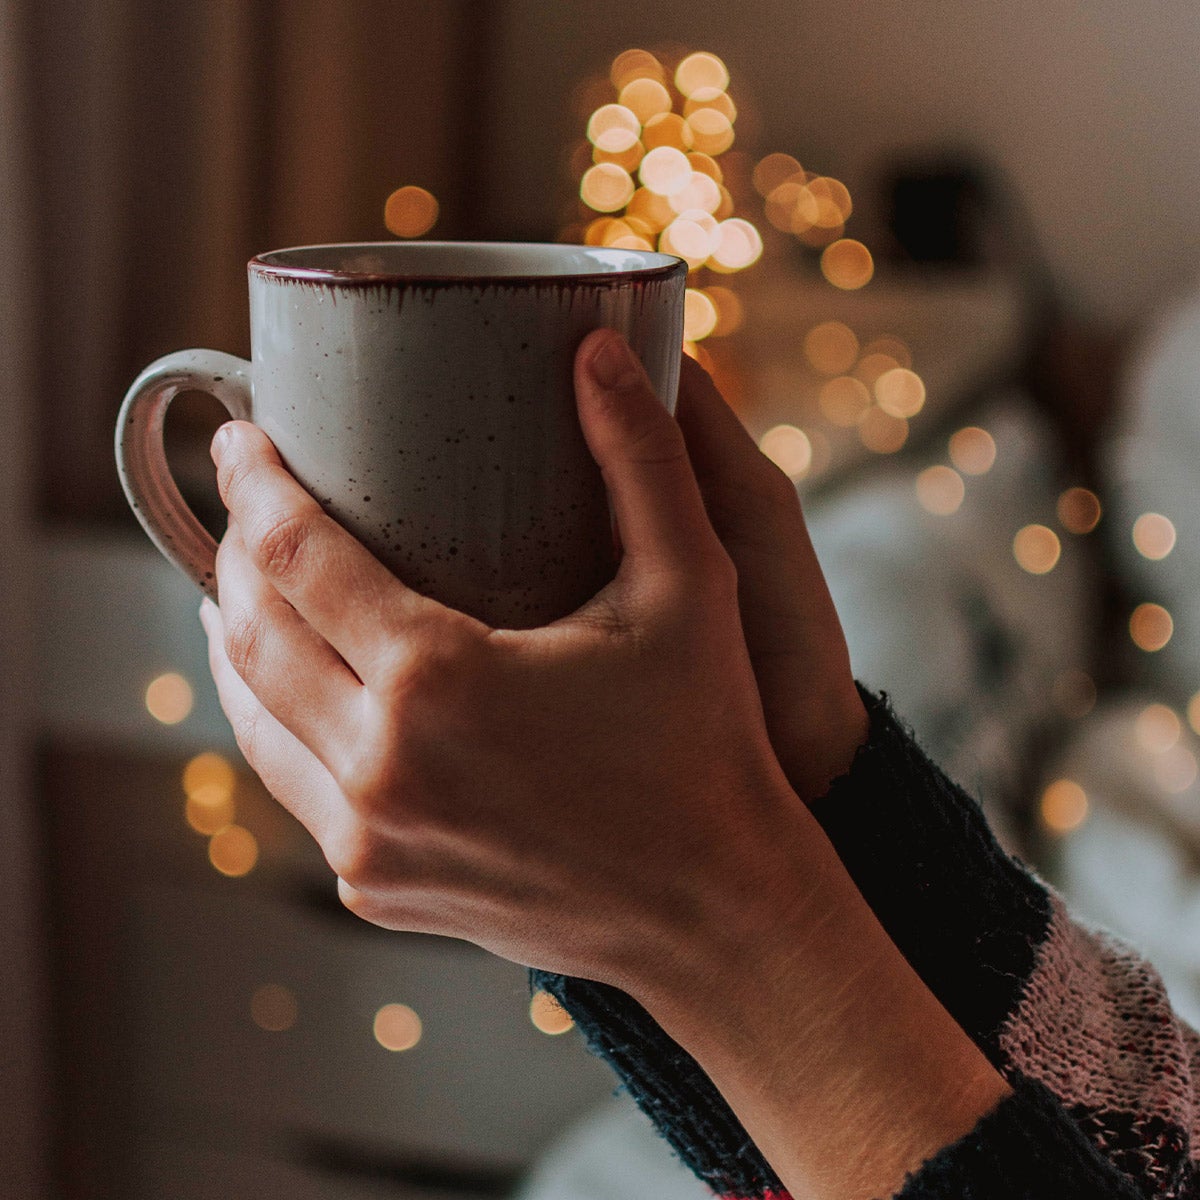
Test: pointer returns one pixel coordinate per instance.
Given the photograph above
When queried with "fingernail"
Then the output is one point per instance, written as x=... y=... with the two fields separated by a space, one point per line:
x=220 y=442
x=614 y=366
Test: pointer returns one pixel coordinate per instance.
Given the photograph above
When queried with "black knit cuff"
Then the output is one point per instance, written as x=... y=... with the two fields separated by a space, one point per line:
x=968 y=918
x=667 y=1084
x=1028 y=1148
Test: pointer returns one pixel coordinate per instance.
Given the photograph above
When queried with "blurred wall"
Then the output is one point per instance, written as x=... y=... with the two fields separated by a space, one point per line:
x=1092 y=110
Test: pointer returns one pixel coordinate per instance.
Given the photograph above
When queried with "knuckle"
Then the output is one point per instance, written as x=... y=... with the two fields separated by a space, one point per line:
x=277 y=542
x=657 y=443
x=244 y=637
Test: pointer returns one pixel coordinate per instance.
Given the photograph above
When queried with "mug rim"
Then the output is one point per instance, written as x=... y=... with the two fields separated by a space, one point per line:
x=656 y=266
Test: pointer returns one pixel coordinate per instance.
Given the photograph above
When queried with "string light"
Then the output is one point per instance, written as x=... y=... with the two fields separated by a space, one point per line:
x=607 y=187
x=548 y=1016
x=973 y=450
x=1079 y=510
x=645 y=98
x=1150 y=627
x=1064 y=806
x=1037 y=549
x=1153 y=536
x=397 y=1027
x=847 y=264
x=410 y=212
x=169 y=698
x=701 y=71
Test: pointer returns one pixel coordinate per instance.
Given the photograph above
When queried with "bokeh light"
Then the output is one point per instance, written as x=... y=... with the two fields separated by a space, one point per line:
x=645 y=98
x=772 y=170
x=668 y=131
x=1157 y=728
x=635 y=64
x=882 y=433
x=688 y=240
x=844 y=400
x=607 y=187
x=548 y=1016
x=1153 y=536
x=1193 y=712
x=665 y=170
x=701 y=71
x=847 y=264
x=233 y=851
x=410 y=211
x=613 y=128
x=1176 y=769
x=169 y=698
x=940 y=490
x=728 y=304
x=211 y=814
x=900 y=392
x=973 y=450
x=699 y=315
x=274 y=1008
x=1079 y=510
x=207 y=774
x=789 y=449
x=397 y=1027
x=1037 y=549
x=738 y=245
x=893 y=347
x=1150 y=627
x=1064 y=806
x=712 y=130
x=831 y=347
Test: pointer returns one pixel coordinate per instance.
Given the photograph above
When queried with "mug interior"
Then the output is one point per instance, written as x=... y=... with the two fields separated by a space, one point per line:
x=415 y=262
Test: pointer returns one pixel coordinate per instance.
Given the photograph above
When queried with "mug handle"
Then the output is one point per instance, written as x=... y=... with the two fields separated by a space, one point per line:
x=142 y=462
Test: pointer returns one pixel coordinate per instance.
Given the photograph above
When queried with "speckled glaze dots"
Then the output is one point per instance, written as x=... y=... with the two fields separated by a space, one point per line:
x=422 y=393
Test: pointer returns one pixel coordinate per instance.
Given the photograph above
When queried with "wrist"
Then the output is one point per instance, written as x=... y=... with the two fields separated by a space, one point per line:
x=844 y=1069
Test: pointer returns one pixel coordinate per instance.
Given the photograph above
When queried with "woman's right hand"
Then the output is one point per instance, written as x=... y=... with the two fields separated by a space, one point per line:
x=814 y=715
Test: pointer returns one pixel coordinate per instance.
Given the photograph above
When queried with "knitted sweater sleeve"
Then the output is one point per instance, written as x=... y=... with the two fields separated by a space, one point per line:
x=1104 y=1075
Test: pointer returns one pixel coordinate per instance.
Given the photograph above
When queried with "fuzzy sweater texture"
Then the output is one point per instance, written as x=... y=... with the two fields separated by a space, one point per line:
x=1104 y=1074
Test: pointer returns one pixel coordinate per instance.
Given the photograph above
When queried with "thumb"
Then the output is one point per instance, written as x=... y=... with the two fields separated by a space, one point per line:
x=641 y=453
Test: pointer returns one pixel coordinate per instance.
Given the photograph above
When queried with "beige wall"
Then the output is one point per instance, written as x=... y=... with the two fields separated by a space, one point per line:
x=1092 y=108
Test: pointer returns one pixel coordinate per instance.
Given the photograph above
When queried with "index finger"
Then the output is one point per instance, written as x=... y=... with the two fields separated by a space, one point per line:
x=332 y=580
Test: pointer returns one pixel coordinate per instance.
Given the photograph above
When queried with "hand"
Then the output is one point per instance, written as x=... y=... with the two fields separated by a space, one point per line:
x=574 y=797
x=599 y=797
x=814 y=715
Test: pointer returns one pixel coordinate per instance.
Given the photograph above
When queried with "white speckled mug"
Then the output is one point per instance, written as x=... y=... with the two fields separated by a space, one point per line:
x=422 y=392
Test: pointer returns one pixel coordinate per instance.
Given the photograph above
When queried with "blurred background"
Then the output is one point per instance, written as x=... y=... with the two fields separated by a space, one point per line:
x=943 y=267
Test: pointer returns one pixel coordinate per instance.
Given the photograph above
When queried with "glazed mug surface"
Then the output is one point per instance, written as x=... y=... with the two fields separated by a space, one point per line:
x=422 y=393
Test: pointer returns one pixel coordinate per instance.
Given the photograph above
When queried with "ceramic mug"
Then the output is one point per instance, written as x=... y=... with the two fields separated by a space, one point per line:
x=422 y=393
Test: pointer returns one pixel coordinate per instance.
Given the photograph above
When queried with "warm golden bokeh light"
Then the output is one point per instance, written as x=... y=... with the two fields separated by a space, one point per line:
x=719 y=101
x=973 y=450
x=900 y=392
x=833 y=203
x=1079 y=510
x=706 y=165
x=882 y=433
x=730 y=313
x=1150 y=627
x=701 y=193
x=688 y=240
x=701 y=71
x=871 y=366
x=652 y=208
x=737 y=245
x=233 y=851
x=1074 y=693
x=668 y=131
x=645 y=98
x=169 y=698
x=789 y=449
x=891 y=346
x=613 y=128
x=410 y=212
x=940 y=490
x=1064 y=806
x=665 y=170
x=208 y=773
x=273 y=1008
x=699 y=315
x=847 y=264
x=774 y=169
x=712 y=131
x=635 y=64
x=397 y=1027
x=209 y=816
x=1153 y=536
x=1037 y=549
x=628 y=160
x=607 y=187
x=844 y=400
x=548 y=1016
x=831 y=347
x=1157 y=728
x=791 y=207
x=1193 y=712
